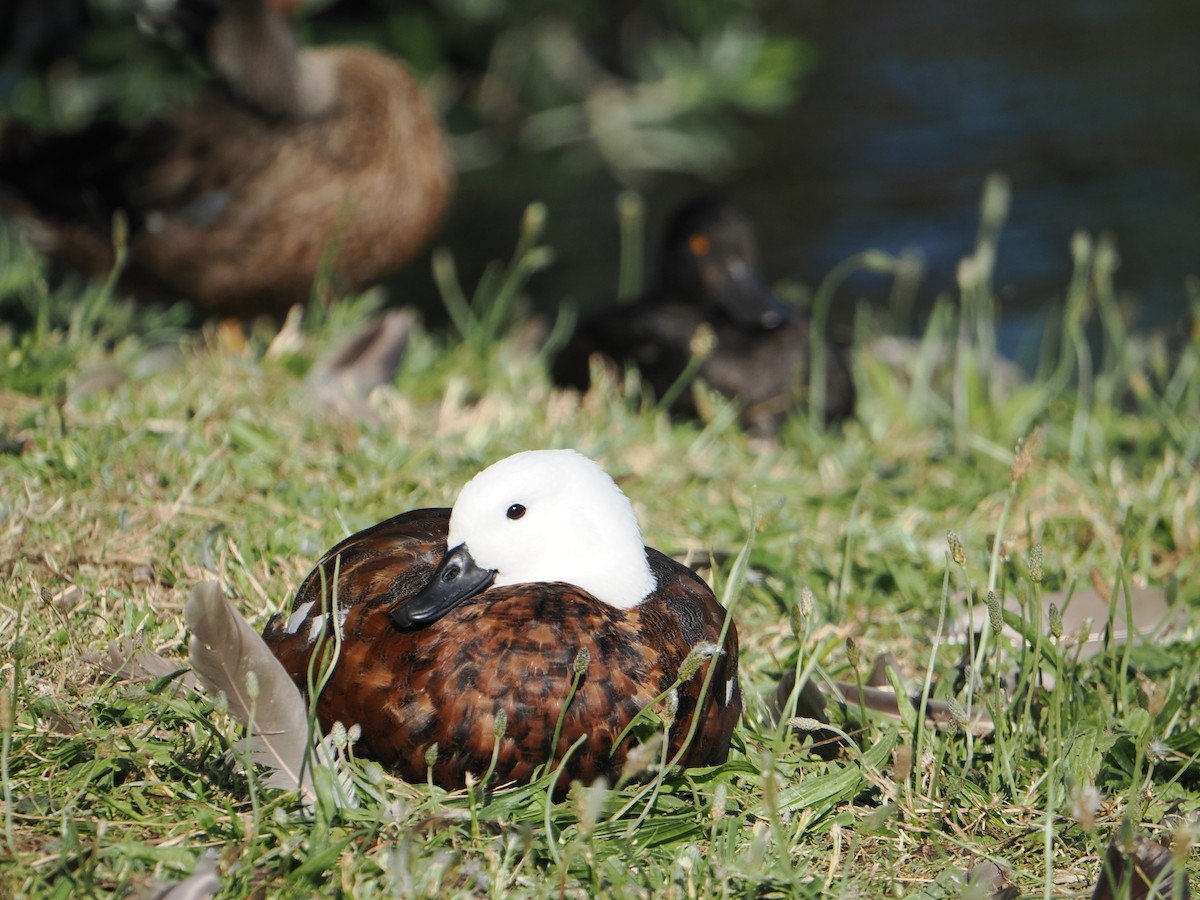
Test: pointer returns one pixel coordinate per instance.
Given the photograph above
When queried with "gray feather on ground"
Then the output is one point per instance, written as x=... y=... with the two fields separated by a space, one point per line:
x=202 y=884
x=225 y=651
x=126 y=658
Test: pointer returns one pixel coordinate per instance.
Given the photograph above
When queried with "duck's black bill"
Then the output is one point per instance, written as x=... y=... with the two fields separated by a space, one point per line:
x=456 y=579
x=748 y=301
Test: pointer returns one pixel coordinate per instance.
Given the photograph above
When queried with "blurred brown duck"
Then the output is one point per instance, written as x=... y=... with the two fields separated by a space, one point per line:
x=710 y=276
x=293 y=159
x=450 y=620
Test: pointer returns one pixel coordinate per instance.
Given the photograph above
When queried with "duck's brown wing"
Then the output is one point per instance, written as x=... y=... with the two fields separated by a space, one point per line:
x=377 y=567
x=686 y=614
x=387 y=562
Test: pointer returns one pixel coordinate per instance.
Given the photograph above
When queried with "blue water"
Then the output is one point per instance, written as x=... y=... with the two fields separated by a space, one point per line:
x=1091 y=109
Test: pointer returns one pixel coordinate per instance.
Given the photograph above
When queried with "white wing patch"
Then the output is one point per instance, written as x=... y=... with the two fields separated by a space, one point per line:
x=296 y=619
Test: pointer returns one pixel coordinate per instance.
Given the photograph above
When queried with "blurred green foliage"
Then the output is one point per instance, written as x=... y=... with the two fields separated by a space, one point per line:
x=634 y=87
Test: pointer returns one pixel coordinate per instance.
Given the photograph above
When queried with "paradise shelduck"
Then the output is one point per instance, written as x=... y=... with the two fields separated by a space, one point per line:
x=545 y=582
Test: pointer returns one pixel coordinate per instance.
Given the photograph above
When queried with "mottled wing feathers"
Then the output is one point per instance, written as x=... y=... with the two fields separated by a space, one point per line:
x=510 y=649
x=379 y=566
x=685 y=602
x=394 y=559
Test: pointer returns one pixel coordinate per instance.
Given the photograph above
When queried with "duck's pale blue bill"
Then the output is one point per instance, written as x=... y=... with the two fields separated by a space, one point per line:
x=456 y=579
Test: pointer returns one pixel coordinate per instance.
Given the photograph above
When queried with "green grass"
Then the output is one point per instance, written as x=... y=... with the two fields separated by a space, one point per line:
x=130 y=474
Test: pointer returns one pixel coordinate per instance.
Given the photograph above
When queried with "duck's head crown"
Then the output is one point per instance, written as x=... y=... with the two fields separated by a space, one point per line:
x=553 y=515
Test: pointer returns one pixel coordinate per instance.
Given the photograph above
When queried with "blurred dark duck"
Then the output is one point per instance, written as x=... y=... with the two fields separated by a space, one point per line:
x=546 y=576
x=710 y=276
x=294 y=159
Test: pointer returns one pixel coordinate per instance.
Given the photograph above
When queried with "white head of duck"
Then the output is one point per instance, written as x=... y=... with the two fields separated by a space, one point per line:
x=538 y=516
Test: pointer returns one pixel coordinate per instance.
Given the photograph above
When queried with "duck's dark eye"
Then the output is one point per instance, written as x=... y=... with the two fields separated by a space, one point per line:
x=515 y=511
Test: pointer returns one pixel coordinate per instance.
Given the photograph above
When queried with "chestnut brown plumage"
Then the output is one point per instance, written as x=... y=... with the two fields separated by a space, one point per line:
x=507 y=649
x=293 y=159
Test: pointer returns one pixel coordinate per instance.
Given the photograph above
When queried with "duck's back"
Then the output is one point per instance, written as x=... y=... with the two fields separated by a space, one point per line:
x=766 y=370
x=251 y=206
x=239 y=210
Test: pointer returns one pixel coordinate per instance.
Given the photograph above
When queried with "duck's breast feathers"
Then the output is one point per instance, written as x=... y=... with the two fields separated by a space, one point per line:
x=511 y=650
x=515 y=649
